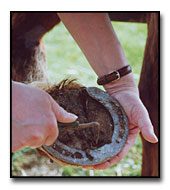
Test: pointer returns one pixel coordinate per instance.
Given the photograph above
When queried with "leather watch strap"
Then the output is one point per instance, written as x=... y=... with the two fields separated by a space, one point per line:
x=115 y=75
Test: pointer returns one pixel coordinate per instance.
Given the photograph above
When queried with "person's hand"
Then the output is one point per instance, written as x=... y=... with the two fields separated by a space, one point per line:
x=34 y=117
x=126 y=93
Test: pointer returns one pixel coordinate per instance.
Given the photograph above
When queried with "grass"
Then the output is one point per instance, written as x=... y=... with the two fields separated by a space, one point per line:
x=65 y=59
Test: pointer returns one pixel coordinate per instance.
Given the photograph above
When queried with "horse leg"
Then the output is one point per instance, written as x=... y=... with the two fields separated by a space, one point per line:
x=28 y=54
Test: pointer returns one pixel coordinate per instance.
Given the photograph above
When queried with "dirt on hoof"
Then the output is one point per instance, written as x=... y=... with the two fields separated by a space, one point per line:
x=100 y=131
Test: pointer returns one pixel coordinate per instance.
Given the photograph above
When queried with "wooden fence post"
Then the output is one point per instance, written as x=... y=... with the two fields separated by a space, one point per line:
x=149 y=93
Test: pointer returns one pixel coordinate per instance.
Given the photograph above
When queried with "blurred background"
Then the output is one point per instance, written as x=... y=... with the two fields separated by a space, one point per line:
x=65 y=60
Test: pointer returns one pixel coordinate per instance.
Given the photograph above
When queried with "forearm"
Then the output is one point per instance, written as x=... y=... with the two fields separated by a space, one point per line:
x=97 y=39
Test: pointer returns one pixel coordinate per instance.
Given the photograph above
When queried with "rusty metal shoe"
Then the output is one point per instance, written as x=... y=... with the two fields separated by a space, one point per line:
x=100 y=131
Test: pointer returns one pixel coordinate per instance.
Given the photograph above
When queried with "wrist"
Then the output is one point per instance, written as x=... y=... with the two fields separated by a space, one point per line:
x=126 y=83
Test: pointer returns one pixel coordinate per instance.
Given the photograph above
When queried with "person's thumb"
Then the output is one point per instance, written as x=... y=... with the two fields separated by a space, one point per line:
x=145 y=125
x=61 y=114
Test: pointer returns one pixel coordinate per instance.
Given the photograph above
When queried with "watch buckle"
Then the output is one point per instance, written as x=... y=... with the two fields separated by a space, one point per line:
x=117 y=74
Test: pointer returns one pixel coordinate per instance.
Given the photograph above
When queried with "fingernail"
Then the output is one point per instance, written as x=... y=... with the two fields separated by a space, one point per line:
x=155 y=137
x=72 y=116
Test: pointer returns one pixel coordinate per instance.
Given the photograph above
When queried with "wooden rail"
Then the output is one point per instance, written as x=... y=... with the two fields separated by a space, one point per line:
x=129 y=17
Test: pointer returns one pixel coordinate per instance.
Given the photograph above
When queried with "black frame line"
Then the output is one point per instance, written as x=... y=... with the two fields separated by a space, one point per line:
x=91 y=178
